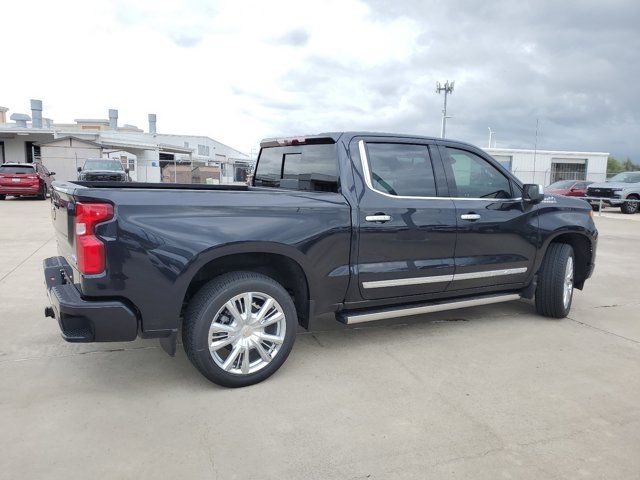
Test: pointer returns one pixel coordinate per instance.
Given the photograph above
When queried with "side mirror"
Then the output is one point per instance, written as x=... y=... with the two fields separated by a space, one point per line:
x=51 y=174
x=126 y=170
x=79 y=169
x=532 y=193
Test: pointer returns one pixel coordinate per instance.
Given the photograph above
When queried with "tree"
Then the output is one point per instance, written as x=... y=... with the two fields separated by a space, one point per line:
x=613 y=165
x=629 y=166
x=616 y=166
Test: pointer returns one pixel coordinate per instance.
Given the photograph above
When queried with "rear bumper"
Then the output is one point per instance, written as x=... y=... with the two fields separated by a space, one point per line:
x=16 y=190
x=82 y=320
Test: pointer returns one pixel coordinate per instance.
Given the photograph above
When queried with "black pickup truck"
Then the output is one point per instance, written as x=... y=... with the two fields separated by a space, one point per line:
x=363 y=225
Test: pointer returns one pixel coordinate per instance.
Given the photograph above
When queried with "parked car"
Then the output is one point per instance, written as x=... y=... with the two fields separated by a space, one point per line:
x=620 y=187
x=103 y=170
x=568 y=188
x=364 y=226
x=25 y=179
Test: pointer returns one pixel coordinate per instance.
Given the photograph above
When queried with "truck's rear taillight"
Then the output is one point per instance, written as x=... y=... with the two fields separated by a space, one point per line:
x=89 y=248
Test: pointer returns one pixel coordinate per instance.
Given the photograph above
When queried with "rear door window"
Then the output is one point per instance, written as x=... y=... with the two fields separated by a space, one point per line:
x=401 y=169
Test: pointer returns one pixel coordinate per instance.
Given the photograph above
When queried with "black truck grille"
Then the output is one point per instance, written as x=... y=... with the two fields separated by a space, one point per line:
x=600 y=192
x=103 y=178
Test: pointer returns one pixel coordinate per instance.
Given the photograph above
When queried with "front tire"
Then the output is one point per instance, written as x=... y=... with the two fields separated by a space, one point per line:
x=239 y=328
x=629 y=208
x=2 y=197
x=554 y=292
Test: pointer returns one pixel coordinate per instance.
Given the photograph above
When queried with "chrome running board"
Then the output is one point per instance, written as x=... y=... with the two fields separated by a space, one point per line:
x=352 y=317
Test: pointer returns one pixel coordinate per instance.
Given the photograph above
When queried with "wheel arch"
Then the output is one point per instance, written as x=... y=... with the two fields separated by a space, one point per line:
x=583 y=251
x=284 y=264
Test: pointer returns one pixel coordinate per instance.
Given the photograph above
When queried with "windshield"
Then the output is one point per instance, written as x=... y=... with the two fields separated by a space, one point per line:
x=102 y=165
x=17 y=169
x=561 y=184
x=626 y=177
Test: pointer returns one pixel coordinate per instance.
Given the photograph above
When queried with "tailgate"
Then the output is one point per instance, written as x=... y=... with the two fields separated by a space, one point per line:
x=62 y=216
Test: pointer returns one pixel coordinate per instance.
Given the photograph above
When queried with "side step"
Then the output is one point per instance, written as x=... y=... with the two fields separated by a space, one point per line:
x=355 y=316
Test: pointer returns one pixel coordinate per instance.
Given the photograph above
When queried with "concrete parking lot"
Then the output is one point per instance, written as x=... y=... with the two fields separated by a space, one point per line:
x=484 y=393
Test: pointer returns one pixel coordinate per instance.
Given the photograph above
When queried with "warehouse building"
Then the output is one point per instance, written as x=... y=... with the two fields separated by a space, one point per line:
x=548 y=166
x=149 y=156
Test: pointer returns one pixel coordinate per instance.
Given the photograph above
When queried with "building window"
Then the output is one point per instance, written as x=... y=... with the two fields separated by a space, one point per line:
x=504 y=160
x=129 y=163
x=203 y=150
x=186 y=144
x=568 y=170
x=32 y=152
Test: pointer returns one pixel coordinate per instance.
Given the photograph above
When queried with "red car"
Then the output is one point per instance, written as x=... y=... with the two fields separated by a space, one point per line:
x=568 y=188
x=28 y=179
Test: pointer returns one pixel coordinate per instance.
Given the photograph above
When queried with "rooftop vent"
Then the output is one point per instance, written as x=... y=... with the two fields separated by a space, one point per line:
x=36 y=113
x=21 y=119
x=113 y=119
x=152 y=123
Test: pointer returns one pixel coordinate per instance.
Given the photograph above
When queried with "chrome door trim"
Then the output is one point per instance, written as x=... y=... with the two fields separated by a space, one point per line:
x=364 y=160
x=489 y=273
x=402 y=282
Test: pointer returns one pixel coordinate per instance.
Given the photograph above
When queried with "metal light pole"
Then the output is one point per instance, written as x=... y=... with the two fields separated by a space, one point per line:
x=447 y=88
x=491 y=133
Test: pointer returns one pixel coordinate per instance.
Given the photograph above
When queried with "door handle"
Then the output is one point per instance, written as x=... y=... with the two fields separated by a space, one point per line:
x=379 y=217
x=470 y=216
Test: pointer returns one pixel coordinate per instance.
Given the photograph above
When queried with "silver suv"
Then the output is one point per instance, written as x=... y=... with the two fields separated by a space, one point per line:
x=614 y=192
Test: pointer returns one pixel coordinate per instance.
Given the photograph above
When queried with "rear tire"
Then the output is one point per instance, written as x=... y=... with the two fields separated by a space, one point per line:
x=629 y=208
x=554 y=292
x=2 y=197
x=596 y=207
x=234 y=348
x=43 y=195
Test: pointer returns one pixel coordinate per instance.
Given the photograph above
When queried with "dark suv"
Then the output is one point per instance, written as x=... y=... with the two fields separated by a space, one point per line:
x=103 y=170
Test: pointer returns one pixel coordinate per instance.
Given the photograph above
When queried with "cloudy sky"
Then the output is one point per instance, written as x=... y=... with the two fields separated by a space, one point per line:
x=239 y=71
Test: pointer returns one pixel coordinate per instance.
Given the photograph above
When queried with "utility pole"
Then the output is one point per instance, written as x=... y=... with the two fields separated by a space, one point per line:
x=491 y=134
x=448 y=89
x=535 y=150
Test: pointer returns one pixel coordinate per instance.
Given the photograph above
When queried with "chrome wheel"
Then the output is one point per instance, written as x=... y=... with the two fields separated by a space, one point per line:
x=247 y=332
x=568 y=283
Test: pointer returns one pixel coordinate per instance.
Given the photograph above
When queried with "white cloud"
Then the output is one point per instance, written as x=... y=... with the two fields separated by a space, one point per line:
x=241 y=70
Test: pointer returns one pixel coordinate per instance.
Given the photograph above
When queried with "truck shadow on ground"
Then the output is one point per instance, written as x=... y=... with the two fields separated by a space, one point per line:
x=144 y=366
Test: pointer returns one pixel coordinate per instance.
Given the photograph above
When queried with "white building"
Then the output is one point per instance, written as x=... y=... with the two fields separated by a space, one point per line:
x=150 y=156
x=548 y=166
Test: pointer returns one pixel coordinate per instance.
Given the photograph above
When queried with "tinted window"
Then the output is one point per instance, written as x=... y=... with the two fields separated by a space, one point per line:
x=401 y=169
x=303 y=167
x=474 y=177
x=16 y=169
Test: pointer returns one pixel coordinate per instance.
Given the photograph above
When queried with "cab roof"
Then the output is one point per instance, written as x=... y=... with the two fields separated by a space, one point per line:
x=333 y=137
